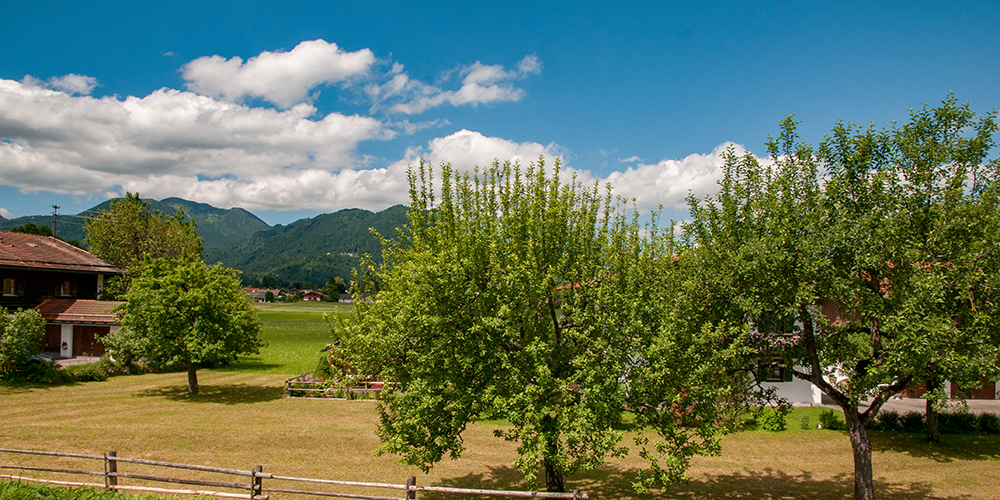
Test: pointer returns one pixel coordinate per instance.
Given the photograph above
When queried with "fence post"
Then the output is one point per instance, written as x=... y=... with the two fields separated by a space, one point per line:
x=256 y=482
x=576 y=494
x=410 y=494
x=109 y=480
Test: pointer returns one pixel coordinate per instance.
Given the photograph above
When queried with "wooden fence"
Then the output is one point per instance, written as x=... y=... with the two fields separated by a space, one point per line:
x=249 y=483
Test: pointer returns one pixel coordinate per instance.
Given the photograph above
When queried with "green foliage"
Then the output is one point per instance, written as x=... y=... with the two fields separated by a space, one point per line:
x=804 y=422
x=773 y=419
x=31 y=228
x=897 y=228
x=888 y=421
x=17 y=490
x=830 y=420
x=334 y=286
x=183 y=312
x=913 y=421
x=90 y=372
x=20 y=335
x=989 y=423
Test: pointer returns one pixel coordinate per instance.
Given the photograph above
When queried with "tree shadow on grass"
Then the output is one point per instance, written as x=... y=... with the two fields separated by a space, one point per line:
x=231 y=394
x=951 y=448
x=609 y=483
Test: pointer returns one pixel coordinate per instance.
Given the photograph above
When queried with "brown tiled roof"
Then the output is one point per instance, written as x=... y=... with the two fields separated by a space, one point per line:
x=45 y=252
x=78 y=311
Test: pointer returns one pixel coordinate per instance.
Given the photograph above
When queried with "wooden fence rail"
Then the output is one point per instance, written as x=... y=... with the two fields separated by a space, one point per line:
x=252 y=485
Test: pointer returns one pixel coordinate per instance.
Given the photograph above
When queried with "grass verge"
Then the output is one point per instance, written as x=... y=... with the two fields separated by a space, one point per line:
x=240 y=420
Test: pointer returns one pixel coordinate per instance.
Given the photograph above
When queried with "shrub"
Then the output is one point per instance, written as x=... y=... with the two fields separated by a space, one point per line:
x=828 y=419
x=20 y=335
x=989 y=423
x=913 y=422
x=91 y=372
x=773 y=419
x=804 y=422
x=888 y=420
x=961 y=422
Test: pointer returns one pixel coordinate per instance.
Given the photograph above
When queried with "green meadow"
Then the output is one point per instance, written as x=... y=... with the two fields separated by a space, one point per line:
x=240 y=420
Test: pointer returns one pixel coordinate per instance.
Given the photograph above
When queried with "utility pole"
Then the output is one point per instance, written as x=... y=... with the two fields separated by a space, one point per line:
x=55 y=217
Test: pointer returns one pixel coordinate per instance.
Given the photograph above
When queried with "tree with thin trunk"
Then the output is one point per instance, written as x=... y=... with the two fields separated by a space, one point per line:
x=183 y=313
x=865 y=267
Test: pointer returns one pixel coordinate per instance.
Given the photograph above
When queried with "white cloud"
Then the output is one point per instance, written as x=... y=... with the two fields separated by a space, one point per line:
x=6 y=213
x=283 y=78
x=72 y=84
x=630 y=159
x=481 y=84
x=668 y=182
x=81 y=145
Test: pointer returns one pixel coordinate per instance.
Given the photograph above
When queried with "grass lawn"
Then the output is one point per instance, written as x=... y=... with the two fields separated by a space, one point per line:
x=240 y=420
x=295 y=332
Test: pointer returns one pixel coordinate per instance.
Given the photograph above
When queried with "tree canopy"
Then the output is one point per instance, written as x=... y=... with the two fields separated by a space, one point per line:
x=183 y=312
x=20 y=336
x=866 y=266
x=515 y=295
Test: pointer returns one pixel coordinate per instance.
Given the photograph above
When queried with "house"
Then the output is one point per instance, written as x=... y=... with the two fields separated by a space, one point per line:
x=800 y=391
x=260 y=294
x=347 y=298
x=63 y=283
x=313 y=296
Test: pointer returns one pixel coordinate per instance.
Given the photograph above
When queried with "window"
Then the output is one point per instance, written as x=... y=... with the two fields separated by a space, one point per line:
x=9 y=286
x=66 y=288
x=775 y=373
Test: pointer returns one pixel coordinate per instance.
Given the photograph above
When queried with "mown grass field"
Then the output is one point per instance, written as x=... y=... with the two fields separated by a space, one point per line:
x=240 y=420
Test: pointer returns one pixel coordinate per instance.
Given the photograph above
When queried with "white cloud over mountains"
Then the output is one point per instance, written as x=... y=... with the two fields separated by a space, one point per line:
x=207 y=145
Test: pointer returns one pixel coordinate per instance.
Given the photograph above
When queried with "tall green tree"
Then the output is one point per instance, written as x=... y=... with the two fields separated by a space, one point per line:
x=183 y=312
x=130 y=230
x=514 y=295
x=31 y=228
x=893 y=233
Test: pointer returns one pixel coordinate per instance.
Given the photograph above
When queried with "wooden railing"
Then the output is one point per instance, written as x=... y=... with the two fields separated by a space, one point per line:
x=250 y=486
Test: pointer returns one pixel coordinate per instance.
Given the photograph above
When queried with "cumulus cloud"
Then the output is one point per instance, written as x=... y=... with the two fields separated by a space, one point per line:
x=668 y=182
x=72 y=84
x=6 y=213
x=81 y=145
x=481 y=84
x=283 y=78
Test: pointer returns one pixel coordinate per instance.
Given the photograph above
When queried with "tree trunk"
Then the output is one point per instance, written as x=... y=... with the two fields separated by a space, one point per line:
x=553 y=479
x=553 y=476
x=864 y=486
x=931 y=416
x=192 y=378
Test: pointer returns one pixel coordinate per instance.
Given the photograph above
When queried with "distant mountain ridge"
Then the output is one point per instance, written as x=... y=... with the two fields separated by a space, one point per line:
x=312 y=249
x=218 y=227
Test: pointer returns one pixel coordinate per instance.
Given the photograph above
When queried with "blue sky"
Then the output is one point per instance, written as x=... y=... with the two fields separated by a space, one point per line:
x=295 y=108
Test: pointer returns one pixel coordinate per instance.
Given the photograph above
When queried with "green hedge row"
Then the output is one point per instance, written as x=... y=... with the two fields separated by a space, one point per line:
x=16 y=490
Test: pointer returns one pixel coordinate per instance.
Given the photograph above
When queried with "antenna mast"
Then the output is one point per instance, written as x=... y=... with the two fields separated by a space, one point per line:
x=55 y=217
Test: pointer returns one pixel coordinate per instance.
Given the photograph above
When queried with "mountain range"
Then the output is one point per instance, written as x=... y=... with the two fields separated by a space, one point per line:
x=308 y=250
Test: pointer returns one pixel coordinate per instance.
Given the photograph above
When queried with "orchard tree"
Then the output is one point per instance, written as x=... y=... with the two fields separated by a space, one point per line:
x=514 y=295
x=183 y=312
x=893 y=233
x=130 y=230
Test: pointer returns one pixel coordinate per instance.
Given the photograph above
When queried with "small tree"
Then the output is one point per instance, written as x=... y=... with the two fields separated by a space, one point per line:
x=20 y=335
x=334 y=286
x=183 y=312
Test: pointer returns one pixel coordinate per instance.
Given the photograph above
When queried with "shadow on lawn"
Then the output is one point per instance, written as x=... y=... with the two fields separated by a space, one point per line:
x=613 y=483
x=232 y=394
x=951 y=448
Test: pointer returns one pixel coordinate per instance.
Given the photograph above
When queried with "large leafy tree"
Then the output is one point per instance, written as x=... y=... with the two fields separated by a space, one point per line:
x=864 y=267
x=514 y=295
x=183 y=312
x=129 y=231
